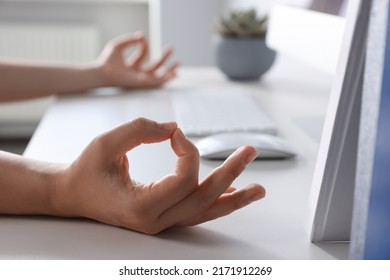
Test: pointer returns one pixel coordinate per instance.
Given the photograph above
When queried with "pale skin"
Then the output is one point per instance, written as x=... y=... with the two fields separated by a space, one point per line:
x=22 y=80
x=98 y=185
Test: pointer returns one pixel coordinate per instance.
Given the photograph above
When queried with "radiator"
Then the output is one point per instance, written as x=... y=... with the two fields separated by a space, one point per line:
x=55 y=43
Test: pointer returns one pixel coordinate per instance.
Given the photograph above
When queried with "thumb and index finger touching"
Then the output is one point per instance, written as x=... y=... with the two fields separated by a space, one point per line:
x=121 y=43
x=168 y=190
x=127 y=40
x=125 y=137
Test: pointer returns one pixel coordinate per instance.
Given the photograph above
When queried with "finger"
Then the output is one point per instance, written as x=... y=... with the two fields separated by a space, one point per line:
x=174 y=188
x=125 y=137
x=171 y=72
x=126 y=40
x=187 y=165
x=228 y=203
x=230 y=189
x=154 y=81
x=143 y=53
x=211 y=188
x=223 y=176
x=155 y=66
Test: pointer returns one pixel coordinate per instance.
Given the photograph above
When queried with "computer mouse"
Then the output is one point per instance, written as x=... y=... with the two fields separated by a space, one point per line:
x=220 y=146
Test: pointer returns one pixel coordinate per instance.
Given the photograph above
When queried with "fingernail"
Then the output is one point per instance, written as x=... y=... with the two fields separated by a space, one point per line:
x=251 y=157
x=168 y=126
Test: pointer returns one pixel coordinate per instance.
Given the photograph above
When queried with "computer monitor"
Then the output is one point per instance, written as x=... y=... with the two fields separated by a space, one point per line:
x=331 y=200
x=312 y=37
x=336 y=45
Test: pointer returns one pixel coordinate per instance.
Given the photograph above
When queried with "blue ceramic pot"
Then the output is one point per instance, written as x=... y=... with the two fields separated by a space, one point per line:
x=243 y=58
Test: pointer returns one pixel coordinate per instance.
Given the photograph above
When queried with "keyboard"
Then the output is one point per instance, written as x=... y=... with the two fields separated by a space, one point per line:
x=201 y=113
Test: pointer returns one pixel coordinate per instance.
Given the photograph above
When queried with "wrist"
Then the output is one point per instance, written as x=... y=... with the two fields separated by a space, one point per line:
x=60 y=194
x=28 y=186
x=95 y=74
x=109 y=73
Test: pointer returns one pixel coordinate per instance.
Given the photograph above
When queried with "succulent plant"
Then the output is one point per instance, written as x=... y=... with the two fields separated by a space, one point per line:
x=242 y=23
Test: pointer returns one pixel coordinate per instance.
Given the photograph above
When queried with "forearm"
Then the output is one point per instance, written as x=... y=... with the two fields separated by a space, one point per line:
x=28 y=186
x=20 y=80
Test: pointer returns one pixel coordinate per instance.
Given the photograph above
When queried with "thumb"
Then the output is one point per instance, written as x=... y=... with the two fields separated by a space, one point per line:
x=126 y=40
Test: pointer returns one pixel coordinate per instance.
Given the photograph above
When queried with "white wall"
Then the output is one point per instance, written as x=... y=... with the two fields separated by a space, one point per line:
x=188 y=25
x=112 y=19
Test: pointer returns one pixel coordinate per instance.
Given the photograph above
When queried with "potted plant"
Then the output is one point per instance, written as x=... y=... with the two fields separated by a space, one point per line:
x=240 y=48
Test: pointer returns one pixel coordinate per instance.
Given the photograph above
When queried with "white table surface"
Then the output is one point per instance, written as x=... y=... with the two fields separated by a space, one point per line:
x=274 y=228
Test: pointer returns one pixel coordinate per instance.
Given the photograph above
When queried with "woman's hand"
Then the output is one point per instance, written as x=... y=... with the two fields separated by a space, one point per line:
x=98 y=185
x=117 y=70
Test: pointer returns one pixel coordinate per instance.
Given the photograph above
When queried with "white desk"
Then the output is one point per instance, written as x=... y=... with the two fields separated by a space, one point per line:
x=273 y=228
